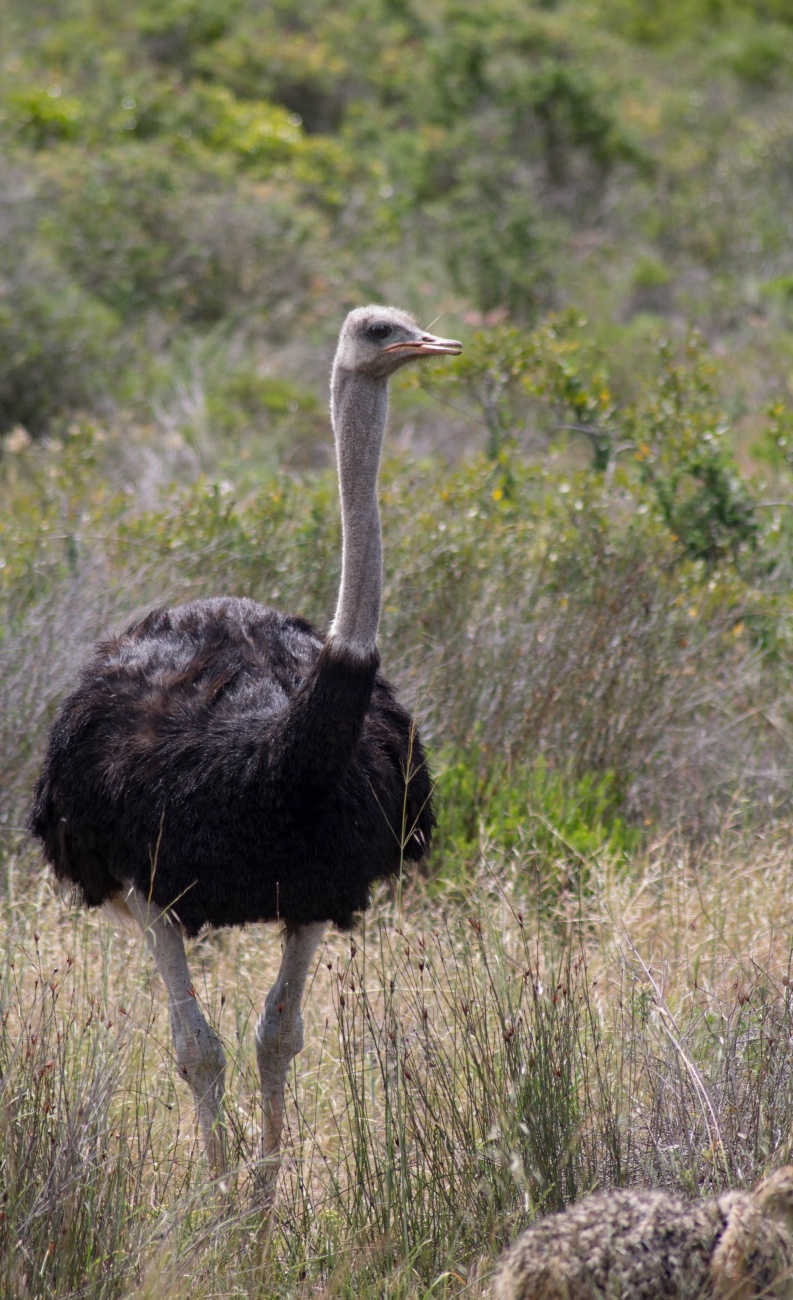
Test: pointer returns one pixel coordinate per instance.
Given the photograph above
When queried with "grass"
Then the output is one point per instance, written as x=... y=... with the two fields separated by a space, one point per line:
x=472 y=1059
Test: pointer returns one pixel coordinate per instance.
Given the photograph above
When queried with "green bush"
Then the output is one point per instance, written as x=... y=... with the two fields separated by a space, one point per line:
x=173 y=33
x=491 y=806
x=673 y=428
x=686 y=461
x=42 y=117
x=55 y=342
x=760 y=56
x=144 y=232
x=679 y=20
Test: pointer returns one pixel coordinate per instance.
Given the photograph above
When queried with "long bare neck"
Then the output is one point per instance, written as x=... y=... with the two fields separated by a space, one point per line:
x=359 y=405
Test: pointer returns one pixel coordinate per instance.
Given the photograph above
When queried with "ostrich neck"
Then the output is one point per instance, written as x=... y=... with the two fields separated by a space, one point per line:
x=359 y=405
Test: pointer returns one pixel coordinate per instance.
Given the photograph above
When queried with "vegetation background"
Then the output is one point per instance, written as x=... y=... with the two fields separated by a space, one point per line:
x=588 y=602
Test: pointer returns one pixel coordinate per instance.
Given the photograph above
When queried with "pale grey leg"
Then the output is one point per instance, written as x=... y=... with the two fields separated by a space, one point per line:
x=199 y=1052
x=279 y=1037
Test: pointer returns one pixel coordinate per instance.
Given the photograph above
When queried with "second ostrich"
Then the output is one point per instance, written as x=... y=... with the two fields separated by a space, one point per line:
x=649 y=1245
x=221 y=763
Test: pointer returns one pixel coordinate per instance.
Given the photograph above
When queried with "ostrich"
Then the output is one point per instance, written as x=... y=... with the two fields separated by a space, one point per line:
x=653 y=1246
x=220 y=762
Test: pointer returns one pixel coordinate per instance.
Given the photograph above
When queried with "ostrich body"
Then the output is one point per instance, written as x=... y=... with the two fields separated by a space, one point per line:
x=221 y=763
x=652 y=1246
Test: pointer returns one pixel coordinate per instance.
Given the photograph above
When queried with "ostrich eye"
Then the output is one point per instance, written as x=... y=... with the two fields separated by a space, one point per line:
x=379 y=331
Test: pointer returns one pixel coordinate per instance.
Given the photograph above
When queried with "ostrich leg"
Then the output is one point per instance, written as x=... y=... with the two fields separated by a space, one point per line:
x=279 y=1037
x=199 y=1052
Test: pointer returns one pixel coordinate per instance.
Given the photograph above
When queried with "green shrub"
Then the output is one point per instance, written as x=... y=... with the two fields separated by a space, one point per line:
x=241 y=398
x=142 y=231
x=492 y=246
x=490 y=376
x=54 y=343
x=174 y=32
x=492 y=805
x=650 y=273
x=686 y=462
x=760 y=56
x=42 y=117
x=680 y=20
x=674 y=428
x=261 y=422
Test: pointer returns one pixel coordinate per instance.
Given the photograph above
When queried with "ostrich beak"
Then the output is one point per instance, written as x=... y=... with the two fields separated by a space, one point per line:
x=429 y=345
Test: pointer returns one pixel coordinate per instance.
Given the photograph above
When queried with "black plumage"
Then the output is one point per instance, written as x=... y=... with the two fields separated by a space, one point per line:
x=235 y=767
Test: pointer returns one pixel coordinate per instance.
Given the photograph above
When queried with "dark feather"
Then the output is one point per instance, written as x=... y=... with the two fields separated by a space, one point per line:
x=231 y=765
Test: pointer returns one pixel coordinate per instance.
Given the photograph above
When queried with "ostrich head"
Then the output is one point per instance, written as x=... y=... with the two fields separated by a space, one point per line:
x=376 y=341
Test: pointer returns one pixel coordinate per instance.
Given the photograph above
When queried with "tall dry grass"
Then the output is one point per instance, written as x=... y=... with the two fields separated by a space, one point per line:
x=472 y=1058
